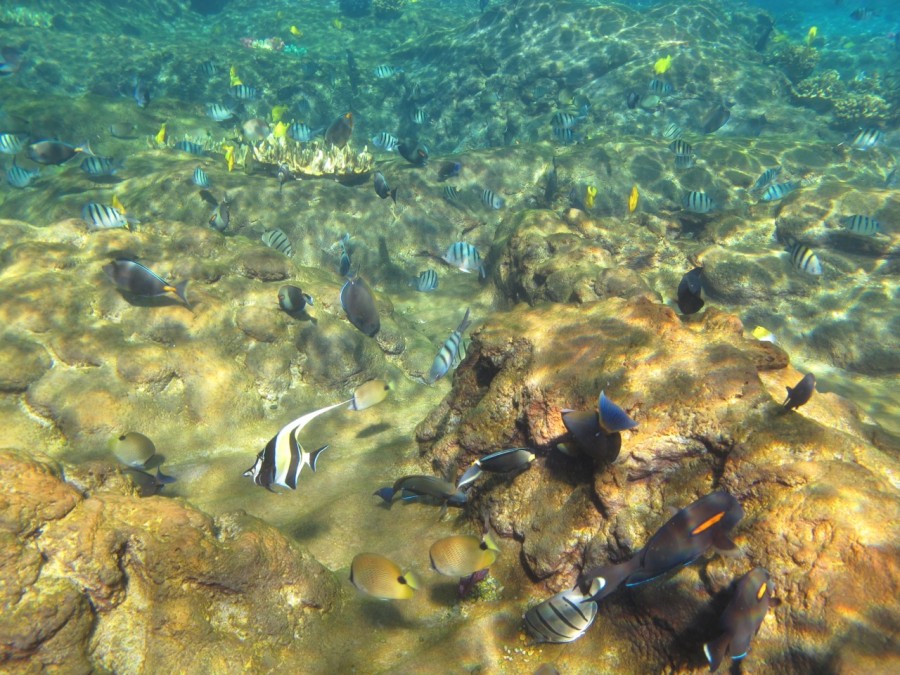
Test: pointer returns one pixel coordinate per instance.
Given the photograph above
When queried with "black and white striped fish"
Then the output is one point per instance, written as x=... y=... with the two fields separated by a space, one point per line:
x=464 y=257
x=672 y=131
x=279 y=241
x=200 y=178
x=804 y=259
x=419 y=116
x=283 y=458
x=681 y=147
x=864 y=225
x=448 y=352
x=866 y=139
x=697 y=202
x=103 y=217
x=94 y=165
x=208 y=68
x=564 y=135
x=492 y=200
x=300 y=132
x=18 y=177
x=244 y=92
x=385 y=141
x=384 y=71
x=778 y=191
x=190 y=147
x=565 y=120
x=684 y=161
x=218 y=112
x=426 y=281
x=766 y=177
x=658 y=86
x=12 y=144
x=451 y=194
x=563 y=618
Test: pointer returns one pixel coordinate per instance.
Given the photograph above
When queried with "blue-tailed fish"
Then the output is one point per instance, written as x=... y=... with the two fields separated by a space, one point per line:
x=589 y=437
x=448 y=351
x=293 y=300
x=563 y=618
x=741 y=619
x=689 y=292
x=55 y=152
x=359 y=304
x=502 y=461
x=685 y=537
x=132 y=277
x=379 y=577
x=423 y=489
x=612 y=418
x=778 y=191
x=462 y=554
x=801 y=392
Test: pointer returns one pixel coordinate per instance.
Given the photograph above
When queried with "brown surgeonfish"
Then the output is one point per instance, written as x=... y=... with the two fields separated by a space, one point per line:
x=685 y=537
x=462 y=554
x=379 y=577
x=134 y=278
x=741 y=619
x=359 y=304
x=338 y=132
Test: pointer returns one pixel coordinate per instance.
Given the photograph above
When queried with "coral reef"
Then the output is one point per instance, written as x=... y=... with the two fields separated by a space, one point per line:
x=797 y=61
x=852 y=104
x=388 y=9
x=315 y=159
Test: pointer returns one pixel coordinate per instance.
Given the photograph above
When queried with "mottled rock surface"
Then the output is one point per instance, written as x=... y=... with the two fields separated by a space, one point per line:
x=99 y=579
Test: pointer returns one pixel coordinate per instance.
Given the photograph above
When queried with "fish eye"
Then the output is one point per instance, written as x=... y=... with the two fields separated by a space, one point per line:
x=401 y=580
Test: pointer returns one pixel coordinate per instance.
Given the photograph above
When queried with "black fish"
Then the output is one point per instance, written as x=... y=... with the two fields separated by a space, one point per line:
x=55 y=152
x=715 y=119
x=584 y=427
x=133 y=277
x=449 y=170
x=741 y=619
x=502 y=461
x=11 y=60
x=684 y=538
x=382 y=189
x=423 y=489
x=417 y=154
x=689 y=300
x=292 y=300
x=359 y=304
x=632 y=99
x=338 y=133
x=801 y=393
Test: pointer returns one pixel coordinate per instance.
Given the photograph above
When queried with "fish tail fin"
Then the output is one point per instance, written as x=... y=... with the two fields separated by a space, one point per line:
x=309 y=299
x=610 y=577
x=393 y=194
x=465 y=323
x=412 y=580
x=715 y=652
x=180 y=289
x=163 y=478
x=789 y=393
x=314 y=457
x=84 y=147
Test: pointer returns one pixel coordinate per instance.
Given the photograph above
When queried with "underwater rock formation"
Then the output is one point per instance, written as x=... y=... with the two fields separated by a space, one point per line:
x=708 y=404
x=315 y=159
x=89 y=568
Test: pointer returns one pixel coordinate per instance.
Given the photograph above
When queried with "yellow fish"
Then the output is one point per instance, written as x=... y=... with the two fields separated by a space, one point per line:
x=296 y=32
x=662 y=65
x=278 y=112
x=811 y=36
x=229 y=156
x=589 y=195
x=337 y=23
x=633 y=199
x=161 y=136
x=117 y=205
x=235 y=80
x=280 y=130
x=763 y=334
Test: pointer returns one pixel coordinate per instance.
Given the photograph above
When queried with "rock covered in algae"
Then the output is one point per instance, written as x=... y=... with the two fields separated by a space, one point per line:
x=109 y=581
x=821 y=510
x=315 y=159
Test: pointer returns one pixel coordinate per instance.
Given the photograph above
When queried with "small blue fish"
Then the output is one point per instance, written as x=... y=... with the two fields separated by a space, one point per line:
x=805 y=259
x=96 y=166
x=200 y=178
x=697 y=202
x=190 y=147
x=464 y=257
x=425 y=282
x=12 y=144
x=866 y=139
x=218 y=112
x=492 y=200
x=244 y=92
x=301 y=132
x=448 y=352
x=767 y=177
x=18 y=177
x=778 y=191
x=383 y=72
x=385 y=141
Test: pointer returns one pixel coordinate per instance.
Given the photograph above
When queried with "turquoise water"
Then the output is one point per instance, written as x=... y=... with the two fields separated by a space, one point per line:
x=506 y=90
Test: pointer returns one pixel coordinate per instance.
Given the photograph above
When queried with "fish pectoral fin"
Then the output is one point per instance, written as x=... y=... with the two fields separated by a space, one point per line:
x=715 y=652
x=724 y=545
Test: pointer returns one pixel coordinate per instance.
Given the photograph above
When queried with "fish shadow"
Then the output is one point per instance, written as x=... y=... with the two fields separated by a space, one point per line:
x=385 y=614
x=307 y=530
x=373 y=430
x=446 y=594
x=145 y=301
x=105 y=180
x=301 y=315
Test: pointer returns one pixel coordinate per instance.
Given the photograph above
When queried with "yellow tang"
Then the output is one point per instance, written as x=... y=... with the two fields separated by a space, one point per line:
x=589 y=195
x=229 y=156
x=235 y=80
x=337 y=23
x=161 y=136
x=662 y=65
x=116 y=204
x=633 y=199
x=280 y=130
x=296 y=32
x=278 y=112
x=811 y=35
x=763 y=334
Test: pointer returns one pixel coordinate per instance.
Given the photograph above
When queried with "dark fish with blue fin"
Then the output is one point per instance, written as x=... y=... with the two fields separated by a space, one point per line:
x=715 y=119
x=132 y=277
x=449 y=170
x=190 y=147
x=801 y=392
x=448 y=351
x=502 y=461
x=590 y=438
x=293 y=300
x=685 y=537
x=55 y=152
x=18 y=177
x=689 y=291
x=612 y=418
x=339 y=131
x=426 y=281
x=382 y=189
x=414 y=154
x=96 y=166
x=359 y=305
x=766 y=178
x=863 y=225
x=805 y=259
x=563 y=618
x=464 y=257
x=148 y=484
x=742 y=618
x=778 y=191
x=278 y=240
x=283 y=458
x=697 y=202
